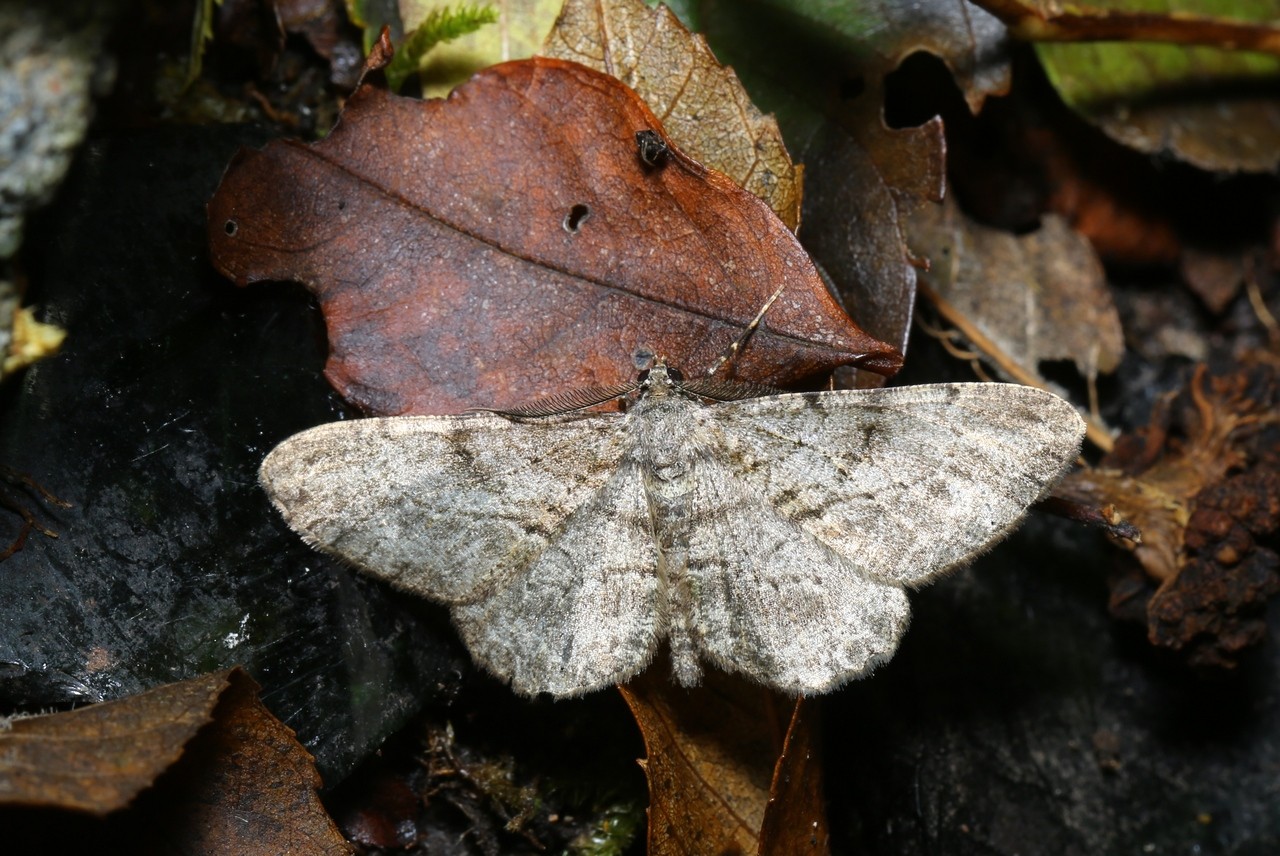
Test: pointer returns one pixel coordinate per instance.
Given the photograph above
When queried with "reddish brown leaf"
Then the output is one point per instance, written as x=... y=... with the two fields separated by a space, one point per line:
x=235 y=781
x=714 y=784
x=509 y=242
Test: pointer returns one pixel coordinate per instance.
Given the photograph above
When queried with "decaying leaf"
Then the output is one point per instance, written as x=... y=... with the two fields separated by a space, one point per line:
x=854 y=224
x=510 y=243
x=713 y=782
x=236 y=781
x=1215 y=278
x=795 y=819
x=1202 y=482
x=1228 y=134
x=1021 y=300
x=701 y=103
x=251 y=787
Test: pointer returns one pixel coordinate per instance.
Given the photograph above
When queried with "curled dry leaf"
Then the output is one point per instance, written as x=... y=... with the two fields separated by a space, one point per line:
x=510 y=243
x=236 y=780
x=1202 y=483
x=714 y=785
x=702 y=104
x=795 y=820
x=873 y=38
x=1021 y=300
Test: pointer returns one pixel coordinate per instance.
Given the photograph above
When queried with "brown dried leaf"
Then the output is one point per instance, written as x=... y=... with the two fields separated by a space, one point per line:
x=243 y=784
x=249 y=787
x=872 y=39
x=713 y=782
x=97 y=759
x=1021 y=300
x=509 y=243
x=1202 y=483
x=701 y=103
x=795 y=820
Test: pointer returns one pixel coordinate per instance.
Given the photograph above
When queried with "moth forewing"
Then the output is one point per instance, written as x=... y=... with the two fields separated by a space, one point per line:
x=447 y=507
x=771 y=536
x=911 y=481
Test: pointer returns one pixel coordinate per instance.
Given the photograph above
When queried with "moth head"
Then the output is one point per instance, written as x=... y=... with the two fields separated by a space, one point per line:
x=660 y=379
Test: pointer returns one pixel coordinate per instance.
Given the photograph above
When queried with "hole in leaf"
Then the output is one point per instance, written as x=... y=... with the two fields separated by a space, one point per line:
x=574 y=219
x=920 y=88
x=231 y=227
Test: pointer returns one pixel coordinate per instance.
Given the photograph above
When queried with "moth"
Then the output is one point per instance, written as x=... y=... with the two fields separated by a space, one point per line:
x=771 y=536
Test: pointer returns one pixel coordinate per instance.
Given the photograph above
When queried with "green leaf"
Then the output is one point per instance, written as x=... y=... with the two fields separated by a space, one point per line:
x=1189 y=101
x=522 y=27
x=1092 y=74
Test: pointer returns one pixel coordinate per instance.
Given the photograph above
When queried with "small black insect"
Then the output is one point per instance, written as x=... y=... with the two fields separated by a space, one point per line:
x=652 y=148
